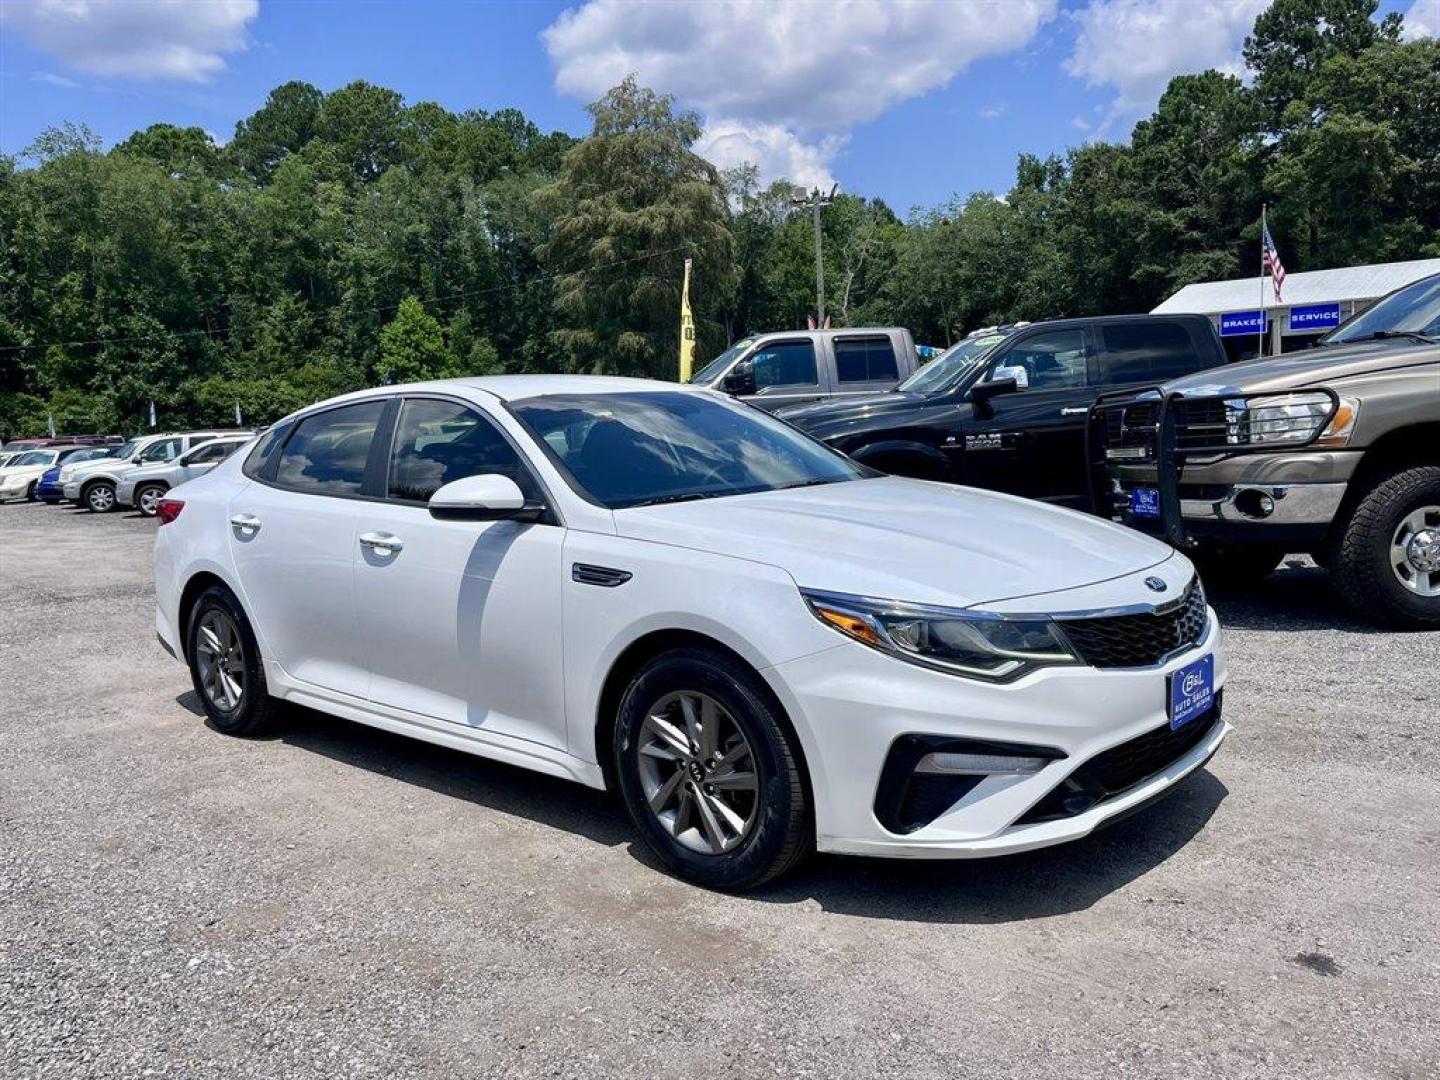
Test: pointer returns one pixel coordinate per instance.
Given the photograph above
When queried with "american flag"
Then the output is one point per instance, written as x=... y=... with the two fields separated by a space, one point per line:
x=1270 y=260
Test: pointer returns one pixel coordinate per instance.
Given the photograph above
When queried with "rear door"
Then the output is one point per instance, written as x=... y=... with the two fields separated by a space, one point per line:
x=292 y=537
x=864 y=363
x=1133 y=354
x=787 y=372
x=1032 y=443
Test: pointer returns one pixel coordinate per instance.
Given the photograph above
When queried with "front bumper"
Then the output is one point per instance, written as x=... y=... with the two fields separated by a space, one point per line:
x=1258 y=504
x=50 y=493
x=856 y=705
x=15 y=489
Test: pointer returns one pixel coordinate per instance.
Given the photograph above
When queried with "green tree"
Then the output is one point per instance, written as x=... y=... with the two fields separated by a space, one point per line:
x=412 y=346
x=632 y=201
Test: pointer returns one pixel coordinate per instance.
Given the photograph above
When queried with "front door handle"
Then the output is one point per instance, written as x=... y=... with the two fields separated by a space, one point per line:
x=245 y=521
x=381 y=543
x=1074 y=410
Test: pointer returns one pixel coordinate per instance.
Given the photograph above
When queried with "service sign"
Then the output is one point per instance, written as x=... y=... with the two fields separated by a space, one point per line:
x=1312 y=317
x=1236 y=323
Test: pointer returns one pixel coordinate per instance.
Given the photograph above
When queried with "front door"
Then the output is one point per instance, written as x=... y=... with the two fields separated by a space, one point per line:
x=460 y=619
x=292 y=536
x=786 y=373
x=1032 y=442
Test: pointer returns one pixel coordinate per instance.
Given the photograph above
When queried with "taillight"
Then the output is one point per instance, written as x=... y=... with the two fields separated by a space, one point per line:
x=169 y=510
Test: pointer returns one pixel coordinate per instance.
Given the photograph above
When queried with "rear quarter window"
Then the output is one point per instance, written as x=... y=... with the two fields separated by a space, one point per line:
x=265 y=451
x=1146 y=352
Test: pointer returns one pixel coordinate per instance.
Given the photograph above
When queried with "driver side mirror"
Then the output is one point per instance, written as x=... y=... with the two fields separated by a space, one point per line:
x=982 y=392
x=487 y=497
x=740 y=379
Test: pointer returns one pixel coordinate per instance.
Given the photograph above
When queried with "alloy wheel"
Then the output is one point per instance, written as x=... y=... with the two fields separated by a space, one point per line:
x=101 y=498
x=1415 y=551
x=220 y=659
x=697 y=770
x=148 y=501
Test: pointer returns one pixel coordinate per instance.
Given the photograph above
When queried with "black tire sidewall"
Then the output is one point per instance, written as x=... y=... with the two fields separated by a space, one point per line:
x=89 y=492
x=771 y=838
x=139 y=498
x=1372 y=586
x=250 y=715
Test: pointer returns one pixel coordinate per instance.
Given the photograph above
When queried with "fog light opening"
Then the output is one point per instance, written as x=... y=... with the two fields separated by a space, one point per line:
x=1254 y=503
x=949 y=764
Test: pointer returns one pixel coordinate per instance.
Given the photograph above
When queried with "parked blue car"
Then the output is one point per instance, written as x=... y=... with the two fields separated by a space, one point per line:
x=49 y=489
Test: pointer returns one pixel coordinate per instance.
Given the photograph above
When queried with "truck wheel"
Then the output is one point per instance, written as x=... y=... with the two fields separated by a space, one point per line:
x=99 y=497
x=1239 y=565
x=1387 y=561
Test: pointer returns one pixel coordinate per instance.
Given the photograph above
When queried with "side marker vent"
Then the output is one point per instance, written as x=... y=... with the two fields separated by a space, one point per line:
x=604 y=576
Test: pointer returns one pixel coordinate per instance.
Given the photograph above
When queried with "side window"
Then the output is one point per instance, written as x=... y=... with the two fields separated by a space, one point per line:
x=264 y=451
x=212 y=452
x=785 y=363
x=1146 y=352
x=327 y=453
x=164 y=450
x=865 y=359
x=437 y=442
x=1053 y=361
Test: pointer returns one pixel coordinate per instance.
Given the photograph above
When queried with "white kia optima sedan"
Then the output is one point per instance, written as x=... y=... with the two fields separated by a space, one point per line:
x=764 y=647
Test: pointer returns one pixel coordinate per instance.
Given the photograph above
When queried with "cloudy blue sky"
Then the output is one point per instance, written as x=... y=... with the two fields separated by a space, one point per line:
x=912 y=100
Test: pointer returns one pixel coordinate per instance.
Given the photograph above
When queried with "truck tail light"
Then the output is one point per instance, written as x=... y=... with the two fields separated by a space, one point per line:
x=169 y=510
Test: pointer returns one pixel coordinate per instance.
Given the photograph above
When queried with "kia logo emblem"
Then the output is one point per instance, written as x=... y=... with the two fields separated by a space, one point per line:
x=1155 y=584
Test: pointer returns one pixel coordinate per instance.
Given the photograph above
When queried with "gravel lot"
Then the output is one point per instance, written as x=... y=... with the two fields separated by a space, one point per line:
x=340 y=902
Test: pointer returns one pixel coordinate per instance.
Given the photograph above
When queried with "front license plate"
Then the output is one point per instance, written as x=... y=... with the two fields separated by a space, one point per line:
x=1192 y=691
x=1145 y=502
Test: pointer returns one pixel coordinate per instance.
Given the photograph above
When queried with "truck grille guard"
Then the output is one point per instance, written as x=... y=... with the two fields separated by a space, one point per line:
x=1168 y=429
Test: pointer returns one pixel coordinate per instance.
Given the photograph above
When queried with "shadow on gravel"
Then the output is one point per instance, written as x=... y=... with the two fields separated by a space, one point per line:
x=1293 y=598
x=509 y=789
x=1012 y=888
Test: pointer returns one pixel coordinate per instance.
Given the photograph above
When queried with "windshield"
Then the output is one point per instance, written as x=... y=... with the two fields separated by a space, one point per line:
x=720 y=363
x=658 y=446
x=35 y=457
x=126 y=450
x=1414 y=309
x=951 y=366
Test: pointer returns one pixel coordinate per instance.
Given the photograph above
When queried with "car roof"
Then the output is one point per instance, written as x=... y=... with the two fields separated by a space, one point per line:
x=516 y=387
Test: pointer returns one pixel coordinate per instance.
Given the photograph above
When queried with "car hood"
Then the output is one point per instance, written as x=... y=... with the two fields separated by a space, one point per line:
x=865 y=411
x=902 y=539
x=17 y=470
x=1309 y=367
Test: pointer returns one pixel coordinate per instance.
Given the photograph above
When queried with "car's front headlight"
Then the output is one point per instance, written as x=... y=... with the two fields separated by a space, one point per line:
x=978 y=646
x=1289 y=419
x=66 y=474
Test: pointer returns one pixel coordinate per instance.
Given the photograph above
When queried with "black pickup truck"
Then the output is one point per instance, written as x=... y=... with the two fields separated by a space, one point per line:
x=1006 y=408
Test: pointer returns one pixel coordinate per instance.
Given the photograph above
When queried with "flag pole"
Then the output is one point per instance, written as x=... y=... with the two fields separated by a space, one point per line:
x=1262 y=281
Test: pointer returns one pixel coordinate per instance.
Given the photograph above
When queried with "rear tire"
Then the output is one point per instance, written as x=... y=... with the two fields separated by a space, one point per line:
x=720 y=800
x=1240 y=565
x=225 y=665
x=147 y=498
x=99 y=497
x=1380 y=561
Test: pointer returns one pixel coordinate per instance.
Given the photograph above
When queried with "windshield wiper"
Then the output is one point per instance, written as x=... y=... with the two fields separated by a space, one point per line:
x=1388 y=335
x=809 y=483
x=682 y=496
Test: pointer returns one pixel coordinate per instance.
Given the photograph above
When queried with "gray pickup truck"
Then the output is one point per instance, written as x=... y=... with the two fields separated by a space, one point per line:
x=772 y=371
x=1333 y=451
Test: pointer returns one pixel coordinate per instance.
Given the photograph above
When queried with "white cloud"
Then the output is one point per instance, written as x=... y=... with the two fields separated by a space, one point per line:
x=794 y=77
x=1422 y=20
x=53 y=79
x=1136 y=46
x=773 y=149
x=992 y=112
x=140 y=39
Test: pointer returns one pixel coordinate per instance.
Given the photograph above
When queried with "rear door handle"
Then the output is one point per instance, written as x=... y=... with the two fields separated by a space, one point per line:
x=245 y=521
x=1074 y=410
x=381 y=543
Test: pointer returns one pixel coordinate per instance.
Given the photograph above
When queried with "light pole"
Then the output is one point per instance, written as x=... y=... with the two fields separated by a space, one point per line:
x=815 y=200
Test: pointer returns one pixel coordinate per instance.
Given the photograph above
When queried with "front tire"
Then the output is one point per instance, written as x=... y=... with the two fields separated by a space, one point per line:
x=99 y=497
x=709 y=771
x=1387 y=561
x=147 y=498
x=30 y=495
x=225 y=665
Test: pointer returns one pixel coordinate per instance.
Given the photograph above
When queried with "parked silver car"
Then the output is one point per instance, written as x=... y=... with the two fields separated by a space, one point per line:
x=145 y=486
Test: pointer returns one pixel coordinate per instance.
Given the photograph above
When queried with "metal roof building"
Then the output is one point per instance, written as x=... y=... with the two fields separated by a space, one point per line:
x=1315 y=301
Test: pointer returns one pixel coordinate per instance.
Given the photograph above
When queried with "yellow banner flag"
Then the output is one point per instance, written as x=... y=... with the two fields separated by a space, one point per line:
x=687 y=329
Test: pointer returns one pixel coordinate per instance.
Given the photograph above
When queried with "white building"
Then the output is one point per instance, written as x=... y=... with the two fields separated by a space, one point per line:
x=1316 y=302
